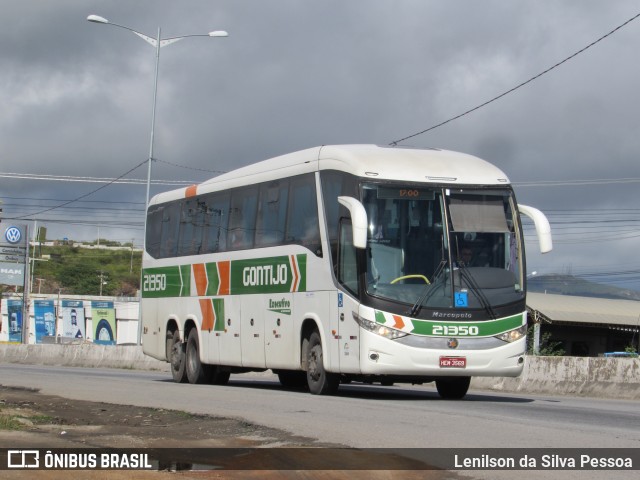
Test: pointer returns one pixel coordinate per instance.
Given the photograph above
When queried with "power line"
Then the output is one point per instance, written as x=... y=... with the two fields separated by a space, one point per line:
x=189 y=168
x=65 y=200
x=566 y=183
x=110 y=181
x=395 y=142
x=81 y=196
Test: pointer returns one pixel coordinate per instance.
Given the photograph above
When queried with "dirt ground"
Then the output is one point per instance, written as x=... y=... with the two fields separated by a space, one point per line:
x=29 y=419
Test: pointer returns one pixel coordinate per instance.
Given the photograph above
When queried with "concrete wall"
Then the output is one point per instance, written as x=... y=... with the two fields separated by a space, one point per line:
x=595 y=377
x=580 y=376
x=81 y=355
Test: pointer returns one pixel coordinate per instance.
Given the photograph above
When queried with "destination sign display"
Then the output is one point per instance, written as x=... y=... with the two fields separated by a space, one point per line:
x=405 y=193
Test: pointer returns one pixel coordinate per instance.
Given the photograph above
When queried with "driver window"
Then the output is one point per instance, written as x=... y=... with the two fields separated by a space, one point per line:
x=347 y=265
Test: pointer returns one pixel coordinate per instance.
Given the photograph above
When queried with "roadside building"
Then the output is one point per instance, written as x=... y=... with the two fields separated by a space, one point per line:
x=586 y=326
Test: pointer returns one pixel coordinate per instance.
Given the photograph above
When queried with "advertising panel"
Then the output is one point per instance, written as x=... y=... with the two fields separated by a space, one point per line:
x=73 y=321
x=12 y=274
x=14 y=313
x=104 y=322
x=45 y=319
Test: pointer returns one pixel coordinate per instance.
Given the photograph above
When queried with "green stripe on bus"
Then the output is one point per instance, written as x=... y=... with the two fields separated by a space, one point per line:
x=161 y=282
x=268 y=275
x=302 y=272
x=487 y=328
x=218 y=310
x=280 y=274
x=213 y=277
x=185 y=272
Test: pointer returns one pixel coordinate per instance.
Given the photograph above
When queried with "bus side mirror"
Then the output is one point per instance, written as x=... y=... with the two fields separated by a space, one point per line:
x=358 y=220
x=543 y=229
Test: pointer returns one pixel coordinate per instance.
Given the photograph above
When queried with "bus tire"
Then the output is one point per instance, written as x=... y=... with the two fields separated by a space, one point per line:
x=196 y=372
x=319 y=380
x=292 y=378
x=453 y=388
x=218 y=377
x=177 y=359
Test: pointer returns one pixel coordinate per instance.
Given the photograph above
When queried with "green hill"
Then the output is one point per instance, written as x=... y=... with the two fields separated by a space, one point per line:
x=75 y=270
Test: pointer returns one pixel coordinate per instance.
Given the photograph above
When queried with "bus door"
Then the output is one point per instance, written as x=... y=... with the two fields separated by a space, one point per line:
x=346 y=336
x=252 y=329
x=346 y=303
x=278 y=330
x=229 y=340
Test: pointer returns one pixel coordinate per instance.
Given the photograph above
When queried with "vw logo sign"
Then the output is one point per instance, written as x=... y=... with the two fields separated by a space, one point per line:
x=13 y=235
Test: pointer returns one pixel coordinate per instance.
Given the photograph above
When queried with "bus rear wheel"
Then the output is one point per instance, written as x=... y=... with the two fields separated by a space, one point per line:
x=319 y=380
x=177 y=359
x=196 y=371
x=453 y=388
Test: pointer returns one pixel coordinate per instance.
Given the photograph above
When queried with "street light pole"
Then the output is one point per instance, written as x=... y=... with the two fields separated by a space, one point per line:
x=153 y=125
x=158 y=43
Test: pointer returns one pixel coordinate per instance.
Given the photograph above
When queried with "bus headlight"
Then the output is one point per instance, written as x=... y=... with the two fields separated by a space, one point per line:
x=513 y=335
x=390 y=333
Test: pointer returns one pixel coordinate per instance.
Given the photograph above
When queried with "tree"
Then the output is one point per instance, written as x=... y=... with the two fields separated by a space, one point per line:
x=548 y=347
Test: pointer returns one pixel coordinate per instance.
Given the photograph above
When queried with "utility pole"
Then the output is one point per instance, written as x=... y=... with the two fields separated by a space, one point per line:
x=102 y=281
x=131 y=264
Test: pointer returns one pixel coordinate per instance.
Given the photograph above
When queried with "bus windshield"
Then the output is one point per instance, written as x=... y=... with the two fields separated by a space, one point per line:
x=441 y=247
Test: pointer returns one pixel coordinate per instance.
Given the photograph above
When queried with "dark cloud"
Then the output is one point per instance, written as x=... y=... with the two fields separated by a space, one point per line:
x=76 y=97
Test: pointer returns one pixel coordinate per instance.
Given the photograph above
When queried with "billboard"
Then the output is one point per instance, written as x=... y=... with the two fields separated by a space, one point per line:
x=73 y=321
x=45 y=319
x=14 y=313
x=104 y=322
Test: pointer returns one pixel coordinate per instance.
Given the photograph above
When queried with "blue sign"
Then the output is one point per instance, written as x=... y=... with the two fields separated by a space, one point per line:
x=462 y=299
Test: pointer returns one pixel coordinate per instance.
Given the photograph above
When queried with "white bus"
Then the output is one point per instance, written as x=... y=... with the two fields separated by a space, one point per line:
x=337 y=264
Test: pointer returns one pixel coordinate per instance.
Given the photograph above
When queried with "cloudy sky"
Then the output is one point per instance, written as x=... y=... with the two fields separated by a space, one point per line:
x=76 y=100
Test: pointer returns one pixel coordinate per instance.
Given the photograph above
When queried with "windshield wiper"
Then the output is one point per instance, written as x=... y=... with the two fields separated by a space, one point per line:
x=475 y=288
x=427 y=291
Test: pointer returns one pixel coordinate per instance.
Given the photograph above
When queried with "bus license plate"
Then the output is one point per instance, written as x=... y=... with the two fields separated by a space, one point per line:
x=453 y=362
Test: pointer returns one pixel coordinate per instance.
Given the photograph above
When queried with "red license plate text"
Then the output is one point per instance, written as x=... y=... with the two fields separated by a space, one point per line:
x=453 y=362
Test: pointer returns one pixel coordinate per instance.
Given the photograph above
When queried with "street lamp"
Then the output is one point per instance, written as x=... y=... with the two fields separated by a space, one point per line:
x=157 y=43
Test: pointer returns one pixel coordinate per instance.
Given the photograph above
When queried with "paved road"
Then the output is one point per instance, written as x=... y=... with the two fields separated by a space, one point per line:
x=360 y=415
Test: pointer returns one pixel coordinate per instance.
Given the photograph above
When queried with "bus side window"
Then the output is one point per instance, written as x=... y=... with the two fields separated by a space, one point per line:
x=272 y=213
x=302 y=219
x=154 y=231
x=216 y=221
x=190 y=234
x=169 y=230
x=242 y=217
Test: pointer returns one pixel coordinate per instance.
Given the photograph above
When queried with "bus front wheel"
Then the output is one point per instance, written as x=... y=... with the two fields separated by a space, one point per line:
x=292 y=378
x=319 y=380
x=176 y=359
x=453 y=388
